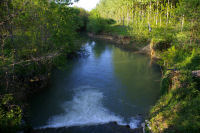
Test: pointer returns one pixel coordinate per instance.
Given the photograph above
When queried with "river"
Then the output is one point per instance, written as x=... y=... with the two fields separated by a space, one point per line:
x=107 y=85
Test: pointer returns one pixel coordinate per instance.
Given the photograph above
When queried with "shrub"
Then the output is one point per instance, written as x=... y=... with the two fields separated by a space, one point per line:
x=10 y=114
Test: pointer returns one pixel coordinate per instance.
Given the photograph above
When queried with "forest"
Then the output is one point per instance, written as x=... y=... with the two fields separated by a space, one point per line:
x=37 y=36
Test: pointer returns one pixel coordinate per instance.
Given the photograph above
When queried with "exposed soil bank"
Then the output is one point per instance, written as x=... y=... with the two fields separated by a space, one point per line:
x=124 y=42
x=114 y=38
x=104 y=128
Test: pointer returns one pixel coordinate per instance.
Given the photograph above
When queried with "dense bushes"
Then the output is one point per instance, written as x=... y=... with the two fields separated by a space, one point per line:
x=35 y=36
x=10 y=114
x=97 y=24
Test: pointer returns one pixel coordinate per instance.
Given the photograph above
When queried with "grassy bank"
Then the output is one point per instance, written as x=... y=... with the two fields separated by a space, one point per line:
x=170 y=32
x=38 y=35
x=178 y=108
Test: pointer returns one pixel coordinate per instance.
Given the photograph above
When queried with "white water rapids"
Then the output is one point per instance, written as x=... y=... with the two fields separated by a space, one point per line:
x=86 y=108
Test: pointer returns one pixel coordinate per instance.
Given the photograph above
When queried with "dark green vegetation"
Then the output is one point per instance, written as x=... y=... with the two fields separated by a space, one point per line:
x=35 y=36
x=172 y=27
x=179 y=107
x=10 y=114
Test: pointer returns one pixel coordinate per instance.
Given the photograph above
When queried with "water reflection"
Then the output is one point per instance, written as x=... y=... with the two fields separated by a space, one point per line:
x=110 y=84
x=138 y=76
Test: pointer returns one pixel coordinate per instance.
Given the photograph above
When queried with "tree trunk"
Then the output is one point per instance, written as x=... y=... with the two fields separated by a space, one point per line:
x=160 y=19
x=123 y=20
x=128 y=19
x=167 y=12
x=149 y=13
x=182 y=23
x=157 y=13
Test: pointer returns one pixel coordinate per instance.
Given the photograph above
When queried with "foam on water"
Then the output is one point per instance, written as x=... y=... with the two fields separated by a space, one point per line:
x=86 y=108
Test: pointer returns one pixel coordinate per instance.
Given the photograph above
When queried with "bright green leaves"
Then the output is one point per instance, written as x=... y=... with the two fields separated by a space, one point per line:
x=10 y=114
x=39 y=28
x=178 y=108
x=98 y=24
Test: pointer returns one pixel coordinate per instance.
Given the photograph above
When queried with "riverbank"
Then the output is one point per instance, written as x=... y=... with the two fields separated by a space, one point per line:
x=91 y=99
x=125 y=42
x=178 y=108
x=34 y=39
x=179 y=88
x=118 y=39
x=172 y=29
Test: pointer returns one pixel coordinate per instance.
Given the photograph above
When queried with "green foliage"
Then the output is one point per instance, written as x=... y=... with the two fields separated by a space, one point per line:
x=10 y=114
x=36 y=32
x=173 y=28
x=160 y=19
x=35 y=36
x=82 y=19
x=97 y=24
x=178 y=110
x=166 y=83
x=191 y=62
x=115 y=29
x=184 y=57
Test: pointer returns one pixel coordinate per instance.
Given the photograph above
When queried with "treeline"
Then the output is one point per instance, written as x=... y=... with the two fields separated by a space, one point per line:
x=35 y=35
x=172 y=28
x=145 y=15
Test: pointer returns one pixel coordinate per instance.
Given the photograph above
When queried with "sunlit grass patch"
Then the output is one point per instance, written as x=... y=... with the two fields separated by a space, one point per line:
x=178 y=110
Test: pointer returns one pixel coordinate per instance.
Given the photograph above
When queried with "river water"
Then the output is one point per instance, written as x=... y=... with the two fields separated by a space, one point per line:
x=107 y=85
